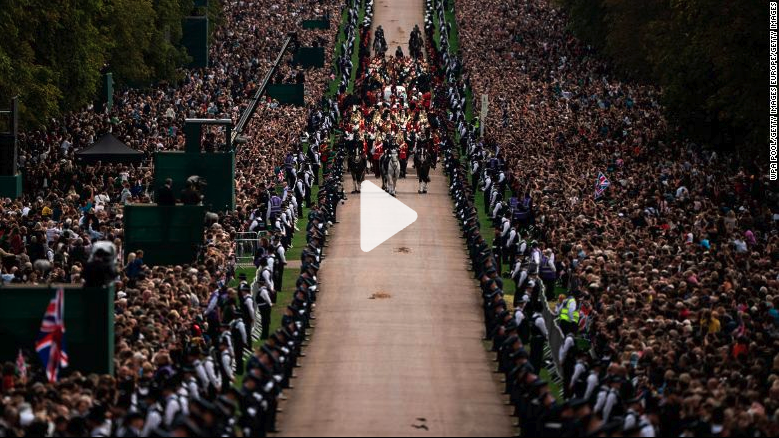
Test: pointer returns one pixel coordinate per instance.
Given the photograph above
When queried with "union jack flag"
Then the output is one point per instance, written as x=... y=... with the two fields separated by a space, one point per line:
x=51 y=338
x=601 y=185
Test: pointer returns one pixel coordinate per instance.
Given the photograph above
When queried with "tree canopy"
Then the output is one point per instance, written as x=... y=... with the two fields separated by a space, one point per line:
x=709 y=57
x=52 y=53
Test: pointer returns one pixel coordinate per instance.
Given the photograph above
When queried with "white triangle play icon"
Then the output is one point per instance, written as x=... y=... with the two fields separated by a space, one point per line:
x=381 y=216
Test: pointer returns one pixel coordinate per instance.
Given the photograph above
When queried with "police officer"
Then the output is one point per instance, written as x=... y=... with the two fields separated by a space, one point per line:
x=172 y=406
x=568 y=354
x=609 y=402
x=534 y=287
x=538 y=337
x=316 y=161
x=224 y=358
x=487 y=182
x=253 y=405
x=308 y=181
x=569 y=314
x=541 y=402
x=248 y=311
x=240 y=340
x=273 y=209
x=577 y=384
x=154 y=412
x=510 y=246
x=592 y=383
x=521 y=318
x=279 y=262
x=189 y=382
x=263 y=297
x=131 y=424
x=289 y=167
x=300 y=191
x=264 y=276
x=506 y=352
x=206 y=416
x=636 y=420
x=503 y=223
x=211 y=366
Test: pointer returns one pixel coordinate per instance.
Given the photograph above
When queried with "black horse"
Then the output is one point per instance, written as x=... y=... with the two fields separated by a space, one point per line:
x=422 y=162
x=379 y=43
x=415 y=43
x=357 y=165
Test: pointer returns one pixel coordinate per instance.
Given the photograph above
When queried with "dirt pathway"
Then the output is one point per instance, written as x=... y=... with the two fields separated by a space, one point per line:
x=398 y=18
x=397 y=336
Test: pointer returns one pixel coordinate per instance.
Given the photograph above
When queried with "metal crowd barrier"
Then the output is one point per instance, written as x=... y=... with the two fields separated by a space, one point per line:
x=556 y=337
x=246 y=245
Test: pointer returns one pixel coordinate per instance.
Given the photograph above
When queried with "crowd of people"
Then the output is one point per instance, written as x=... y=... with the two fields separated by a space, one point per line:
x=663 y=282
x=188 y=355
x=656 y=256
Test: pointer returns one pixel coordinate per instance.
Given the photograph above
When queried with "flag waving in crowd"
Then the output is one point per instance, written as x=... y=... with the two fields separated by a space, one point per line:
x=601 y=185
x=51 y=338
x=21 y=367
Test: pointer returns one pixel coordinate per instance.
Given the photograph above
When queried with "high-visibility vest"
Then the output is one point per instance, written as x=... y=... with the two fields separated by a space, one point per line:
x=564 y=316
x=275 y=206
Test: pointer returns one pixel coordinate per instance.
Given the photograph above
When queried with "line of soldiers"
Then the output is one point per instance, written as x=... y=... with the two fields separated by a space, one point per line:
x=269 y=370
x=599 y=400
x=344 y=61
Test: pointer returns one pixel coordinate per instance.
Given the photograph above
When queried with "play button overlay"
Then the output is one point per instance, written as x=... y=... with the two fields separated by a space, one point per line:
x=381 y=216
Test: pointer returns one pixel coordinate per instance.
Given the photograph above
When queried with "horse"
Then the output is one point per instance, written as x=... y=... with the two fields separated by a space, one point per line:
x=358 y=164
x=422 y=161
x=415 y=43
x=379 y=43
x=391 y=171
